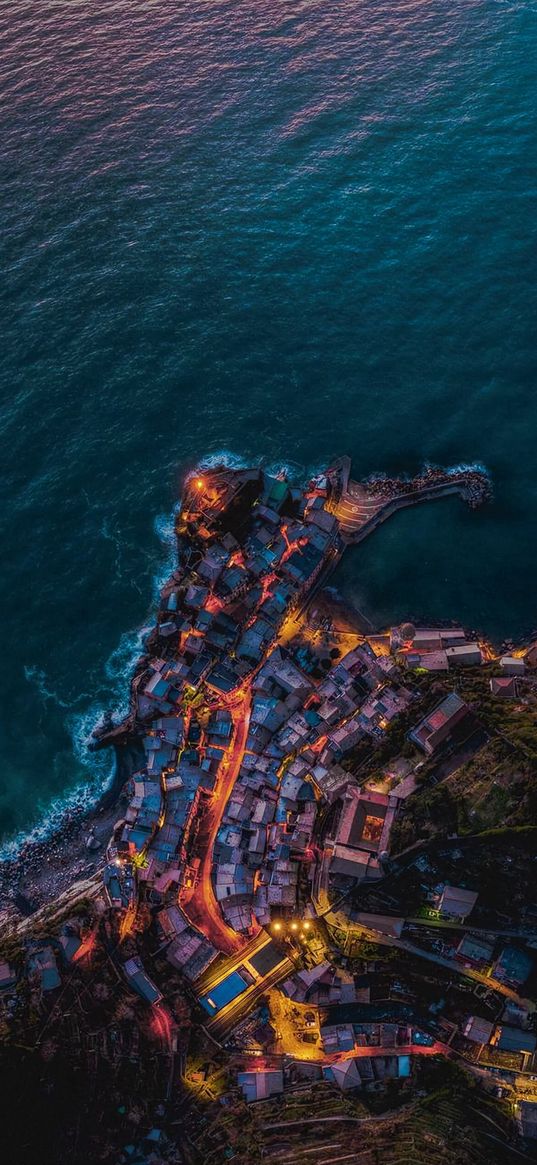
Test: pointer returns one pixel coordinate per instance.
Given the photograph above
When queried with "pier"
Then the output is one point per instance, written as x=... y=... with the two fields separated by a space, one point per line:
x=361 y=506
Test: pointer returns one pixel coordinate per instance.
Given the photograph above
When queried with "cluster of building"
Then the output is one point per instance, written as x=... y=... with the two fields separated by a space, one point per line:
x=348 y=1037
x=346 y=1072
x=44 y=962
x=186 y=949
x=300 y=732
x=367 y=1072
x=218 y=617
x=324 y=985
x=444 y=649
x=221 y=614
x=512 y=966
x=511 y=1041
x=251 y=546
x=435 y=649
x=513 y=669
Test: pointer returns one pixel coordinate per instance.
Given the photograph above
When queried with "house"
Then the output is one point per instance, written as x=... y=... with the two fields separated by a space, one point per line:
x=365 y=821
x=407 y=638
x=171 y=922
x=474 y=949
x=353 y=863
x=512 y=665
x=259 y=1085
x=526 y=1118
x=190 y=953
x=467 y=655
x=430 y=660
x=456 y=902
x=504 y=686
x=343 y=1073
x=385 y=923
x=140 y=982
x=303 y=984
x=332 y=782
x=438 y=727
x=478 y=1030
x=361 y=834
x=381 y=708
x=513 y=1039
x=338 y=1037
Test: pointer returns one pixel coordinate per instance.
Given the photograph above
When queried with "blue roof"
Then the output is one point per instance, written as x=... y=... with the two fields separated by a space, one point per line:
x=515 y=964
x=228 y=989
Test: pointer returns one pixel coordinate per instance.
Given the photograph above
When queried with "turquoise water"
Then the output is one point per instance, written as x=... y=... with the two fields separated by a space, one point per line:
x=280 y=230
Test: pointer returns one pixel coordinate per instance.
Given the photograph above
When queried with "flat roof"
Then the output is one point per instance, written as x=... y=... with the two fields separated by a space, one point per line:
x=266 y=959
x=228 y=989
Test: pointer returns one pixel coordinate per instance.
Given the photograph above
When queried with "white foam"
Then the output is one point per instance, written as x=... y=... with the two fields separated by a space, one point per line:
x=53 y=814
x=224 y=457
x=118 y=672
x=37 y=676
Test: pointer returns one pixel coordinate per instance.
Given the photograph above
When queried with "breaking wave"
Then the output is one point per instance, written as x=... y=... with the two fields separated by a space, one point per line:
x=112 y=696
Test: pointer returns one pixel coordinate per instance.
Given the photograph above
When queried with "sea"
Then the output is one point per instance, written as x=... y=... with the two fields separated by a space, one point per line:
x=255 y=231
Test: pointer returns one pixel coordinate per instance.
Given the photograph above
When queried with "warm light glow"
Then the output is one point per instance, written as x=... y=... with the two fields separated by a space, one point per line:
x=86 y=947
x=199 y=483
x=294 y=926
x=277 y=926
x=307 y=925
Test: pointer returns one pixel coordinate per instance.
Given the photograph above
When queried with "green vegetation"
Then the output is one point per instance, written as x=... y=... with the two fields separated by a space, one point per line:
x=453 y=1124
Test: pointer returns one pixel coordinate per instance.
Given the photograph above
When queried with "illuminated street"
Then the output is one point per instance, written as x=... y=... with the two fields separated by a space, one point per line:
x=199 y=901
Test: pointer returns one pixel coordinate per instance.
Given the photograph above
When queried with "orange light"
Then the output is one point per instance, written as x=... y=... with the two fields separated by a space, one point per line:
x=294 y=926
x=277 y=926
x=199 y=483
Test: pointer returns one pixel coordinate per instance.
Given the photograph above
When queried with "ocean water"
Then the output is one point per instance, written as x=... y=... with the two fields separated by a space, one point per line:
x=282 y=231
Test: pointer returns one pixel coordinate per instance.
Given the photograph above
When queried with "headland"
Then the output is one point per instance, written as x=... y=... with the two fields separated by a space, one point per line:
x=300 y=836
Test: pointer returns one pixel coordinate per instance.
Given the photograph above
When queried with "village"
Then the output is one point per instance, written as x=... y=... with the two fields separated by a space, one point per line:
x=289 y=902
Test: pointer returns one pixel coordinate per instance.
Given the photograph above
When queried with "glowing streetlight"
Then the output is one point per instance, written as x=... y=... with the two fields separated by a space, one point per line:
x=307 y=925
x=294 y=926
x=277 y=926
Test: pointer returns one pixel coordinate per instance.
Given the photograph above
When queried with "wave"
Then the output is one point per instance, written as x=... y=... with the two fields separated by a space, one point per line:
x=113 y=697
x=38 y=677
x=55 y=813
x=296 y=472
x=464 y=467
x=450 y=471
x=164 y=527
x=223 y=457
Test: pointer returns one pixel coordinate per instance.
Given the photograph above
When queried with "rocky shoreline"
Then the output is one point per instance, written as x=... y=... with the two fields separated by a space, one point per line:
x=44 y=869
